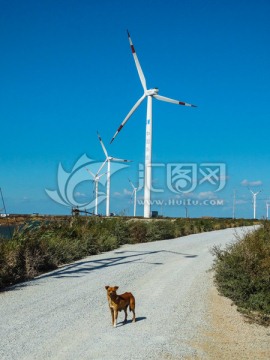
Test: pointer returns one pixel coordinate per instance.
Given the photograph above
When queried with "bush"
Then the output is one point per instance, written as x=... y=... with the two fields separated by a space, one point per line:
x=42 y=246
x=137 y=231
x=242 y=272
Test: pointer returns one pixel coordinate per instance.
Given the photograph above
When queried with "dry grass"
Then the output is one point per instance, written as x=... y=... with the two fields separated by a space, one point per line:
x=43 y=245
x=242 y=273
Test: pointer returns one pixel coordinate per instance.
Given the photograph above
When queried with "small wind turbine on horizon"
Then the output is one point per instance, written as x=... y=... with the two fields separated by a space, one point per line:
x=96 y=178
x=234 y=203
x=267 y=209
x=149 y=93
x=134 y=192
x=108 y=161
x=254 y=196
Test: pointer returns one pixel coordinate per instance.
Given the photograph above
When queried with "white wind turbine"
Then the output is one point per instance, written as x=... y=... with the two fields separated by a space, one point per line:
x=108 y=160
x=254 y=196
x=96 y=178
x=134 y=192
x=267 y=209
x=149 y=93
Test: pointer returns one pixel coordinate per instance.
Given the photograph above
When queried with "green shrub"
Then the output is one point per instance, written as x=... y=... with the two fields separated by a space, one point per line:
x=160 y=230
x=137 y=231
x=42 y=246
x=242 y=272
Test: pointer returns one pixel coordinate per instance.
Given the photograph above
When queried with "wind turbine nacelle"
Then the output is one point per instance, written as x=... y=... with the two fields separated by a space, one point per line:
x=151 y=92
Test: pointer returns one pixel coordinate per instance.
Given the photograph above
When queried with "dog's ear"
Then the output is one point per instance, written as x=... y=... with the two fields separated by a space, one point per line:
x=107 y=287
x=116 y=288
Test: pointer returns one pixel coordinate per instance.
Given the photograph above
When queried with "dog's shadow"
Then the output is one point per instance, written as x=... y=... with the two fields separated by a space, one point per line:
x=130 y=321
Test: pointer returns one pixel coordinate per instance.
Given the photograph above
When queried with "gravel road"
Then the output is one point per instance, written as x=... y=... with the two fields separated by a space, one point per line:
x=64 y=314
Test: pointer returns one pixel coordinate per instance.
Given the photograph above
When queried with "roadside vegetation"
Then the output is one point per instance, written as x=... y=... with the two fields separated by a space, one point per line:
x=242 y=273
x=41 y=246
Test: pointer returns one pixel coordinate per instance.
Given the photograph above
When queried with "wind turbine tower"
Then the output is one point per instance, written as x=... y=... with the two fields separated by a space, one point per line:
x=108 y=161
x=135 y=197
x=234 y=201
x=149 y=94
x=96 y=178
x=267 y=207
x=254 y=196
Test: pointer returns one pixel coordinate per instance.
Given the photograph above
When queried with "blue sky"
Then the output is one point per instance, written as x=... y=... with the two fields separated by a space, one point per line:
x=66 y=71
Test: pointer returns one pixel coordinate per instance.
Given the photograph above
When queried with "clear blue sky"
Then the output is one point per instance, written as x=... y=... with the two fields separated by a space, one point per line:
x=66 y=71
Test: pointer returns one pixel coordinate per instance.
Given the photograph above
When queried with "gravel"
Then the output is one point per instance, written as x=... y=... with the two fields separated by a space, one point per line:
x=64 y=314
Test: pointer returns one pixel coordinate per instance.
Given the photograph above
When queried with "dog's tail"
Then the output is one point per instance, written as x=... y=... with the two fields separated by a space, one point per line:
x=132 y=306
x=131 y=303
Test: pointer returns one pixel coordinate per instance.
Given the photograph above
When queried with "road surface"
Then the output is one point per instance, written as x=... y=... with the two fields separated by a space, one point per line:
x=64 y=314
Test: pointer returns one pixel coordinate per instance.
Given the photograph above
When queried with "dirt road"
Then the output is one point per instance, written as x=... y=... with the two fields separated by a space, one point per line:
x=65 y=315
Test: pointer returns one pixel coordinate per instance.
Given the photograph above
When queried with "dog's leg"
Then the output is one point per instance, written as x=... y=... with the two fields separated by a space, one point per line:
x=125 y=310
x=112 y=316
x=115 y=317
x=134 y=318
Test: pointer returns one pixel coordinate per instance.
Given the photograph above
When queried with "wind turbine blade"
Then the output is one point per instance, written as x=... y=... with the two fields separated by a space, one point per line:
x=132 y=186
x=102 y=165
x=138 y=66
x=99 y=176
x=90 y=172
x=103 y=147
x=163 y=98
x=120 y=160
x=128 y=116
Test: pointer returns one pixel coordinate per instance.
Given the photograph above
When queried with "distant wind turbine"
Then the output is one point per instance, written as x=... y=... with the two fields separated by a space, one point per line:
x=96 y=178
x=267 y=209
x=135 y=197
x=234 y=202
x=108 y=160
x=149 y=93
x=254 y=196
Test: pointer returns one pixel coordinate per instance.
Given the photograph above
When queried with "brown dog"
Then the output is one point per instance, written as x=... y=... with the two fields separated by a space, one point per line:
x=119 y=303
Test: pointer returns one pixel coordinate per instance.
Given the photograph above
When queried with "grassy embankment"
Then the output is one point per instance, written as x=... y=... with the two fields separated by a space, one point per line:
x=242 y=273
x=37 y=248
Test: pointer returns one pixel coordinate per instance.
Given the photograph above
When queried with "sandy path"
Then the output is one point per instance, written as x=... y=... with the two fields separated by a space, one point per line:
x=65 y=315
